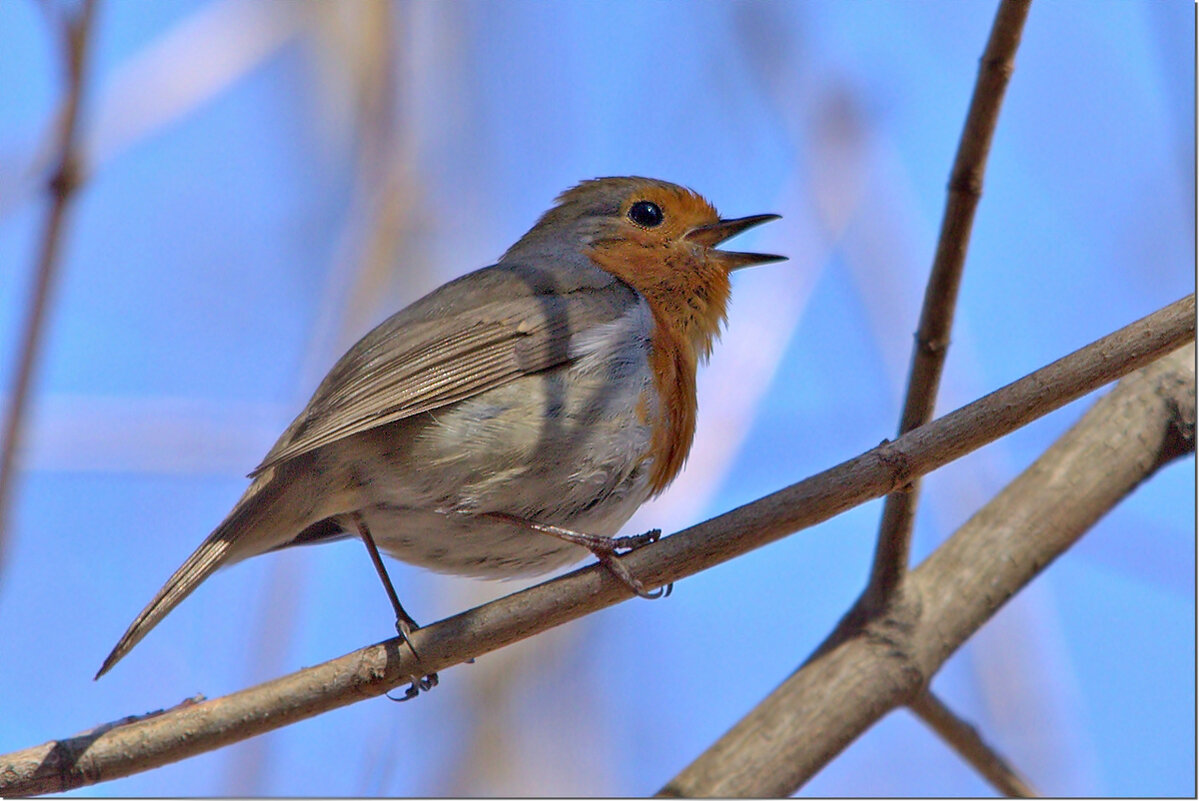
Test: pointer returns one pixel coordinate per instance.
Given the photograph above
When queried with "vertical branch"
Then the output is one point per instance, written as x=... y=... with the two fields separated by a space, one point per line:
x=932 y=342
x=64 y=180
x=940 y=297
x=928 y=361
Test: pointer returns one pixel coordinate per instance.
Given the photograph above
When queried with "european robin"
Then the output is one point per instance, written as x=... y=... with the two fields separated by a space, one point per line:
x=511 y=421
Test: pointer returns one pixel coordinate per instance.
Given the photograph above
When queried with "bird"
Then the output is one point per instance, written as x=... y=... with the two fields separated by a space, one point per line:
x=512 y=420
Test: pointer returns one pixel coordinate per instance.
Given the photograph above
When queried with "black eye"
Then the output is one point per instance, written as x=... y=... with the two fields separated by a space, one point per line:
x=645 y=214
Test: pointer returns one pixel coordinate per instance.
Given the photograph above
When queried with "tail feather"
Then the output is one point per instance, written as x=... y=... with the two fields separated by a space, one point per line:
x=228 y=543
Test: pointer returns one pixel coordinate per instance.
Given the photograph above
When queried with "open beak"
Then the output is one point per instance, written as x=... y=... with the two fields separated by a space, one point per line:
x=712 y=235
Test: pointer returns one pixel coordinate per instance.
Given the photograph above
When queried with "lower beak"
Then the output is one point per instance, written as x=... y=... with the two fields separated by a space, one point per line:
x=712 y=235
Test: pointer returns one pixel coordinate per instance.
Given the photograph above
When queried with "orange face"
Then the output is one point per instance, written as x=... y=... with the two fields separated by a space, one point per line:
x=661 y=215
x=661 y=242
x=657 y=237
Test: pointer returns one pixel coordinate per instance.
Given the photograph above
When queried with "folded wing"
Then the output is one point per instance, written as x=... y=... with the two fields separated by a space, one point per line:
x=429 y=355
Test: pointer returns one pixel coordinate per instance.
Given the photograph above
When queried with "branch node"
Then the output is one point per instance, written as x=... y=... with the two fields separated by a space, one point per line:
x=67 y=177
x=967 y=181
x=932 y=346
x=1002 y=67
x=900 y=466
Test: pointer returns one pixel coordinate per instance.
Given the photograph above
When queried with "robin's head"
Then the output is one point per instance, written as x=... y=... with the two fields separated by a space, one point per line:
x=659 y=238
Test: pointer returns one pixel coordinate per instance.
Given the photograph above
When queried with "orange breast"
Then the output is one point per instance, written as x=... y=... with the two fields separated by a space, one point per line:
x=673 y=363
x=687 y=298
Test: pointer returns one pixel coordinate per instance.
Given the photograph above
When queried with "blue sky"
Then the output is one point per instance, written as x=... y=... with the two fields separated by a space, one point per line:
x=236 y=234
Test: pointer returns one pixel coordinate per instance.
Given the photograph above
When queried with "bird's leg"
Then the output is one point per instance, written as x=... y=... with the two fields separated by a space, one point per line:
x=405 y=625
x=604 y=548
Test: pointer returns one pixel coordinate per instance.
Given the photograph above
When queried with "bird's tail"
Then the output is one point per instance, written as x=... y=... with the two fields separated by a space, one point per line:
x=254 y=526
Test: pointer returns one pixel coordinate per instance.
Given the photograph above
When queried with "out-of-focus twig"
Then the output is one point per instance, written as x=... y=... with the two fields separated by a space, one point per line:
x=64 y=180
x=184 y=68
x=940 y=297
x=963 y=584
x=969 y=744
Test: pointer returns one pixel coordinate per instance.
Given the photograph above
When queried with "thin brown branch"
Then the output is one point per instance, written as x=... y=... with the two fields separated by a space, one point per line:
x=64 y=180
x=892 y=551
x=64 y=764
x=969 y=744
x=854 y=680
x=940 y=296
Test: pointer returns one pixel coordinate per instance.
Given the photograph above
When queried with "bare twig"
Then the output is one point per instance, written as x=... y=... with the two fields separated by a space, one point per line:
x=967 y=742
x=888 y=660
x=64 y=180
x=940 y=296
x=64 y=764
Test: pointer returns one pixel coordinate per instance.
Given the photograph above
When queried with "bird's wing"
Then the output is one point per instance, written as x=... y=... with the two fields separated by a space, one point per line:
x=441 y=350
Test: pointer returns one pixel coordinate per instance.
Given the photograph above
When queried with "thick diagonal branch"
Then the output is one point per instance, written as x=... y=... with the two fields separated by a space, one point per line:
x=856 y=679
x=372 y=671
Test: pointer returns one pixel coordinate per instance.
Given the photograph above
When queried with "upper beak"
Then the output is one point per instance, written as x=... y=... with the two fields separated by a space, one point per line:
x=712 y=235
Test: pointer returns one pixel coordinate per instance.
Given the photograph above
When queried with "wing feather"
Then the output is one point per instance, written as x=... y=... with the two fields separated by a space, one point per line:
x=416 y=361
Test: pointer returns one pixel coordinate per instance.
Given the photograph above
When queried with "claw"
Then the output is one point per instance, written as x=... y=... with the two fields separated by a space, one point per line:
x=621 y=572
x=404 y=627
x=418 y=685
x=661 y=592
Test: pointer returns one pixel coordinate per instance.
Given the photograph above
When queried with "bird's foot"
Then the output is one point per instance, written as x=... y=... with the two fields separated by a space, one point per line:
x=418 y=685
x=405 y=625
x=606 y=549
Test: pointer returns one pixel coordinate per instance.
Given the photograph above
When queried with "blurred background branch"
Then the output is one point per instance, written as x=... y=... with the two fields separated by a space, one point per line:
x=66 y=174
